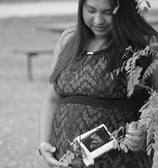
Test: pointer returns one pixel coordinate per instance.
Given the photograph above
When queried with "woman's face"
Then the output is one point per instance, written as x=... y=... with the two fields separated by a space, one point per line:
x=97 y=15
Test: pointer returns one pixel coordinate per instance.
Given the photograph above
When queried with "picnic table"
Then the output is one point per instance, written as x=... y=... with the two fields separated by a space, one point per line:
x=31 y=52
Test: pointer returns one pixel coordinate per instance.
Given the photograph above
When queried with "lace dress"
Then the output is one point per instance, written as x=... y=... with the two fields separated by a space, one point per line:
x=74 y=115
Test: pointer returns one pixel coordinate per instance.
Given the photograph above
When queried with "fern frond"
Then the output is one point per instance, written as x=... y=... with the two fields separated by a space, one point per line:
x=149 y=121
x=133 y=80
x=150 y=107
x=114 y=72
x=150 y=69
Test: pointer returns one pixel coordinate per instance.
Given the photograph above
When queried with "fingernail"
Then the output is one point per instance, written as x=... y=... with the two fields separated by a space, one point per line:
x=54 y=149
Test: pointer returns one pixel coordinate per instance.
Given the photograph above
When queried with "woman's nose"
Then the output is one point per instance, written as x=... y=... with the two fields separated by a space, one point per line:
x=98 y=19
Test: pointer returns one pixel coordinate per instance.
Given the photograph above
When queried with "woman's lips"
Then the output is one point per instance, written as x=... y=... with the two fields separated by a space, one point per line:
x=97 y=28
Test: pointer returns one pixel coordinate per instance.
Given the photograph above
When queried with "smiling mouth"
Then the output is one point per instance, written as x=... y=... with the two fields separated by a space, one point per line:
x=99 y=28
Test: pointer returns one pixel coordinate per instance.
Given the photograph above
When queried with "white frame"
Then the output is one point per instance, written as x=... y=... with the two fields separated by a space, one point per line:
x=89 y=160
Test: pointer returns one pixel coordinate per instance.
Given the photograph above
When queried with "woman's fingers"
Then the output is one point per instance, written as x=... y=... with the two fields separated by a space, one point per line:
x=138 y=132
x=134 y=146
x=132 y=126
x=135 y=140
x=47 y=147
x=135 y=137
x=47 y=151
x=50 y=148
x=54 y=163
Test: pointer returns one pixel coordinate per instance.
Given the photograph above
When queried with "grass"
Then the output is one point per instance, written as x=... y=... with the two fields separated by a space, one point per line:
x=21 y=100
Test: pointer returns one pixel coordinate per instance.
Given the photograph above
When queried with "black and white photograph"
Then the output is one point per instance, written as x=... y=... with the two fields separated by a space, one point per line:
x=69 y=66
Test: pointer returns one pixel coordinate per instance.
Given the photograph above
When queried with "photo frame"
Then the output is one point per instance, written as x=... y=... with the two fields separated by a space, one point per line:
x=95 y=143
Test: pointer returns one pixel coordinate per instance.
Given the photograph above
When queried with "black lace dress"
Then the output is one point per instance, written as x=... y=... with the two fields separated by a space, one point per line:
x=79 y=112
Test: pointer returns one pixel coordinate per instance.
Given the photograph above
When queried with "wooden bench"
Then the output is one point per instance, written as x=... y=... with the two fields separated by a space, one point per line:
x=30 y=53
x=33 y=52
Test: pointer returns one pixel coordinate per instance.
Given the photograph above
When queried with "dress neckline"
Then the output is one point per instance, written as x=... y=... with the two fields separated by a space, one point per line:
x=96 y=52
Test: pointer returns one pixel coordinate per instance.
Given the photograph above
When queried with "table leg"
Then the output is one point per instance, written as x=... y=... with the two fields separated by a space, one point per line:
x=29 y=65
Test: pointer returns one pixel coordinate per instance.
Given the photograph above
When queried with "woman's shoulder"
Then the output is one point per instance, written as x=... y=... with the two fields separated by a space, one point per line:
x=66 y=35
x=61 y=43
x=63 y=40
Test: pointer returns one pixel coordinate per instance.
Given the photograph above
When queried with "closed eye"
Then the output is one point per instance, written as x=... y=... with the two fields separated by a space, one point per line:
x=91 y=9
x=108 y=12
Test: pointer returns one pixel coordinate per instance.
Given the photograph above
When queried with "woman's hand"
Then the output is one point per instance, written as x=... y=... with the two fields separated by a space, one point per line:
x=135 y=137
x=47 y=151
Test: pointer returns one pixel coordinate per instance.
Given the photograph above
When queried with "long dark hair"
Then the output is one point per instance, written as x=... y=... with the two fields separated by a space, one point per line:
x=128 y=28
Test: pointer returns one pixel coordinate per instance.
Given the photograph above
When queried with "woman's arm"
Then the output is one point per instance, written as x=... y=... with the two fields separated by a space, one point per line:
x=49 y=108
x=47 y=113
x=46 y=117
x=52 y=99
